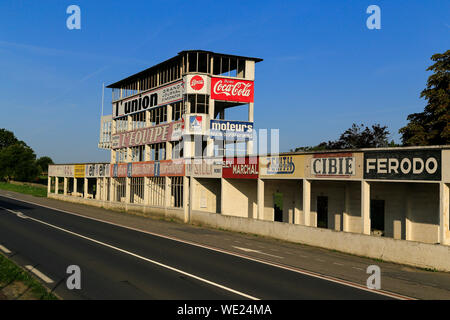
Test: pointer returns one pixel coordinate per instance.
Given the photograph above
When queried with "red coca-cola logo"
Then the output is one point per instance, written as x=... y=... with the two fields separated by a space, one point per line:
x=197 y=83
x=232 y=90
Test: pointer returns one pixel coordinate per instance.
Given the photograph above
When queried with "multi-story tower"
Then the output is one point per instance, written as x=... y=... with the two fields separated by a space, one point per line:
x=173 y=111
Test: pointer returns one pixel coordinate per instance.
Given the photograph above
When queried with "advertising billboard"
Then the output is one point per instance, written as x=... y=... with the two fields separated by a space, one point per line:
x=161 y=133
x=236 y=90
x=197 y=83
x=154 y=98
x=282 y=166
x=346 y=165
x=240 y=168
x=97 y=170
x=228 y=129
x=403 y=164
x=204 y=168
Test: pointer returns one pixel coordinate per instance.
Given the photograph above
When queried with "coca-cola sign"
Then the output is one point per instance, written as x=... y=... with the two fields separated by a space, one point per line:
x=232 y=89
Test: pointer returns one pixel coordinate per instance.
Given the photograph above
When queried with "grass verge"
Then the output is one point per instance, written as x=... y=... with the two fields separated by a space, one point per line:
x=27 y=189
x=15 y=283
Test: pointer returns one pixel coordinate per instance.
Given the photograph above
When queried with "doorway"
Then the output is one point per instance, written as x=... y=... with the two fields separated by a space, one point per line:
x=278 y=206
x=322 y=212
x=377 y=217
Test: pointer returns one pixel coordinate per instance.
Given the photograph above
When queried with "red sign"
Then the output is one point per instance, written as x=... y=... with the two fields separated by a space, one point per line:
x=171 y=167
x=155 y=134
x=197 y=83
x=232 y=90
x=143 y=169
x=241 y=168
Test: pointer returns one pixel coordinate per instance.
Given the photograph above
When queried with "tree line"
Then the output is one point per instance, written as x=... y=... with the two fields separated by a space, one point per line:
x=18 y=161
x=430 y=127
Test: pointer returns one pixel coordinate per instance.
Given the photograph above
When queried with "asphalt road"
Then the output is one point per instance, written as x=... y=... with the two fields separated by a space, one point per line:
x=119 y=263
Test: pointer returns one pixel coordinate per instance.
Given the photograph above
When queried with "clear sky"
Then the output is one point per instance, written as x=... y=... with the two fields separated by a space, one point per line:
x=323 y=69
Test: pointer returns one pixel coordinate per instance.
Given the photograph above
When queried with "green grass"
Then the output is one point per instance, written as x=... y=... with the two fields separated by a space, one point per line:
x=10 y=272
x=34 y=191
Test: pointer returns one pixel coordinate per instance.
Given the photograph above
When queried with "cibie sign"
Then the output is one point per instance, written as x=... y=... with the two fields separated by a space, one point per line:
x=232 y=89
x=403 y=165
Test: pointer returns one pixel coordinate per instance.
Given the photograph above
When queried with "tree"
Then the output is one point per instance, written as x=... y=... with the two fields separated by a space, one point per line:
x=18 y=162
x=43 y=163
x=356 y=137
x=7 y=138
x=432 y=126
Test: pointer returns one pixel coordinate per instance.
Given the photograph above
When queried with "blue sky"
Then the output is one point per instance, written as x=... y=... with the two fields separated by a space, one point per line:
x=323 y=69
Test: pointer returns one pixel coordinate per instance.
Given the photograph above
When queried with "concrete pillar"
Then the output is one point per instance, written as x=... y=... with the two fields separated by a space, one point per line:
x=260 y=199
x=146 y=190
x=444 y=233
x=168 y=192
x=75 y=186
x=187 y=199
x=127 y=190
x=193 y=183
x=65 y=186
x=365 y=207
x=307 y=202
x=49 y=184
x=56 y=185
x=223 y=195
x=408 y=215
x=346 y=213
x=98 y=189
x=112 y=190
x=85 y=187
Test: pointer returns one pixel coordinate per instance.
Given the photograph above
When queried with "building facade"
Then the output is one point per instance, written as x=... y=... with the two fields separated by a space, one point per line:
x=173 y=149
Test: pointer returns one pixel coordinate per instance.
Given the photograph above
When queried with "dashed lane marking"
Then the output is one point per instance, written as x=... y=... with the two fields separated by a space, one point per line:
x=39 y=274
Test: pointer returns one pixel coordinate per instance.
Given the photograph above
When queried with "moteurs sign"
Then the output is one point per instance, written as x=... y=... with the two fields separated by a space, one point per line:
x=403 y=165
x=232 y=89
x=226 y=129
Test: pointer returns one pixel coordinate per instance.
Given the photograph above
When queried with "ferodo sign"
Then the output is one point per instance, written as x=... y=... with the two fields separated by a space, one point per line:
x=403 y=165
x=232 y=89
x=242 y=168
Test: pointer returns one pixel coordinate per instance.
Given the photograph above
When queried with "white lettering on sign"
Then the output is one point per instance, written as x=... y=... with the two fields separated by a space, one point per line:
x=405 y=166
x=245 y=169
x=239 y=89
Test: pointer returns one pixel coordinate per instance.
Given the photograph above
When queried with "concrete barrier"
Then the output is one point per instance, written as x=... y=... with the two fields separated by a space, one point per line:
x=423 y=255
x=417 y=254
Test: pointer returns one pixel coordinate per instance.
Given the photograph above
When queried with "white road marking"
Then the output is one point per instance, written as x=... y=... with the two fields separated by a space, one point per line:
x=320 y=260
x=357 y=268
x=339 y=264
x=17 y=213
x=273 y=264
x=39 y=274
x=256 y=251
x=5 y=250
x=46 y=279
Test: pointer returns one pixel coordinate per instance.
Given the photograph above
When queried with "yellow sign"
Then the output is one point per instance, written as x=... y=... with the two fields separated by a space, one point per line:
x=285 y=166
x=79 y=171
